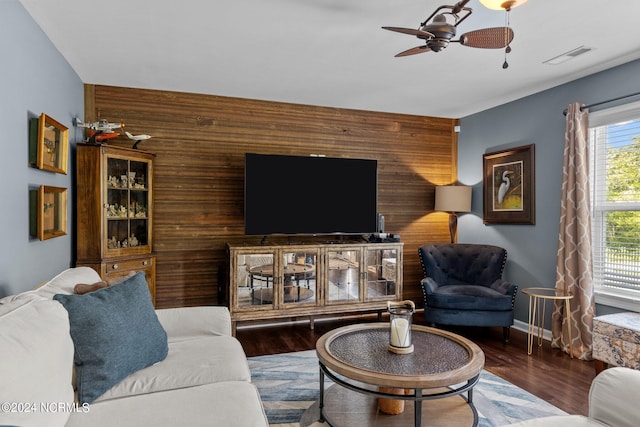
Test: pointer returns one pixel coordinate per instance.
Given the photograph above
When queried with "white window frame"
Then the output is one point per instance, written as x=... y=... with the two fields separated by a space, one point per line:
x=614 y=297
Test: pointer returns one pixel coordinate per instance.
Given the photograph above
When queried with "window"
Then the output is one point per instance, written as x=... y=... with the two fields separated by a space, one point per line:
x=614 y=138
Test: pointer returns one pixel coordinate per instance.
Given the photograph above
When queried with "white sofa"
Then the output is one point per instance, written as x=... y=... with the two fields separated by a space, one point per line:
x=204 y=380
x=612 y=402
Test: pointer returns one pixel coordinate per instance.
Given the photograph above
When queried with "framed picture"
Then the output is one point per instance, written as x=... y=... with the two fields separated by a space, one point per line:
x=49 y=144
x=48 y=212
x=509 y=180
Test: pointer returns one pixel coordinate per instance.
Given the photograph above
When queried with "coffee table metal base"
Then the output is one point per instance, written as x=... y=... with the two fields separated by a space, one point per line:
x=417 y=397
x=348 y=408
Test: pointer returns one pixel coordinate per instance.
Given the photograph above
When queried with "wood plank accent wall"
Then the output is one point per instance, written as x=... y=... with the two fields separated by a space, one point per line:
x=200 y=141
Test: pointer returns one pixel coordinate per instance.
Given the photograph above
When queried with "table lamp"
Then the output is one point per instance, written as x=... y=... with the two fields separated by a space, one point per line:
x=453 y=199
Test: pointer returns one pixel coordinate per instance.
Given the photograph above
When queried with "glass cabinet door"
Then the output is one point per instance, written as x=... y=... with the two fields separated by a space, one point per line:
x=382 y=273
x=343 y=275
x=127 y=204
x=299 y=276
x=254 y=279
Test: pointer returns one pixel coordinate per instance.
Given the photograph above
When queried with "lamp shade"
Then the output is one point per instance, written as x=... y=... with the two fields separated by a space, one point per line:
x=453 y=198
x=502 y=4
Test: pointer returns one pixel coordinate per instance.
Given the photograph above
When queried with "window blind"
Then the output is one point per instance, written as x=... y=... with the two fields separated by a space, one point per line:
x=614 y=138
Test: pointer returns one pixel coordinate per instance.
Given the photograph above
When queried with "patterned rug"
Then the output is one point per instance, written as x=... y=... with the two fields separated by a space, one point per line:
x=289 y=384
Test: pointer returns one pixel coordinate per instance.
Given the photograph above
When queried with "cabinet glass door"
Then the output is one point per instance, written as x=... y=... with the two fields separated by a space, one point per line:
x=127 y=204
x=343 y=275
x=382 y=273
x=254 y=279
x=299 y=277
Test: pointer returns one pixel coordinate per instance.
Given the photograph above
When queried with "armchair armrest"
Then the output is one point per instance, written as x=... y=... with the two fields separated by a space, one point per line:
x=613 y=397
x=428 y=285
x=189 y=322
x=504 y=287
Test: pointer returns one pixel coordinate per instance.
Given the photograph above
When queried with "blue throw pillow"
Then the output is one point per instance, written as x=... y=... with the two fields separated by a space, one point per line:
x=115 y=332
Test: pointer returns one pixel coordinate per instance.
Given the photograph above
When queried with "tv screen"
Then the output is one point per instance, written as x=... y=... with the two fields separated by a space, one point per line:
x=309 y=195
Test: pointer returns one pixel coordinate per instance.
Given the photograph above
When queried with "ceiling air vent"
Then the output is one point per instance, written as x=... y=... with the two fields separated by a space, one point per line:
x=567 y=55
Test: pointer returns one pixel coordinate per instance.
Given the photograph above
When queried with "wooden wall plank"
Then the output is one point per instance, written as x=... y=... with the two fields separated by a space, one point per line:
x=200 y=141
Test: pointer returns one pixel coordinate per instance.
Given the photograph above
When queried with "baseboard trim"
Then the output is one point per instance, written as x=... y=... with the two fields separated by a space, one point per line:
x=517 y=324
x=524 y=327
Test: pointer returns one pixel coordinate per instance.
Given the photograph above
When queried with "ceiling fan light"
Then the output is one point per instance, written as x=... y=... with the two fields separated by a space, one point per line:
x=502 y=4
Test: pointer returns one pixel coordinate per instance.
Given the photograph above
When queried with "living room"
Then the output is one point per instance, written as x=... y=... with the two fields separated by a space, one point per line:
x=199 y=141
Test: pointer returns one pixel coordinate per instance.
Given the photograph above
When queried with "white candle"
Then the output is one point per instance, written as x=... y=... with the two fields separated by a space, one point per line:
x=400 y=332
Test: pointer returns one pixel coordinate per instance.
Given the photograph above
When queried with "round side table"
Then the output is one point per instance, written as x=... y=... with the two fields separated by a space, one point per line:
x=537 y=305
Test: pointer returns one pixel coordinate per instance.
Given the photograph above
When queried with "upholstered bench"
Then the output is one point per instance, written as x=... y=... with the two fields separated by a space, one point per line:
x=616 y=340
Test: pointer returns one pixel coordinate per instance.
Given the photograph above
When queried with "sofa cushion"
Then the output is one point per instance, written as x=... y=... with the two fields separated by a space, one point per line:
x=115 y=332
x=185 y=323
x=469 y=297
x=205 y=360
x=233 y=403
x=64 y=282
x=36 y=359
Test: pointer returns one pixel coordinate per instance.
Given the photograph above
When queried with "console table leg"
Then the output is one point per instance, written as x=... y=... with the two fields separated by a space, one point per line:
x=417 y=408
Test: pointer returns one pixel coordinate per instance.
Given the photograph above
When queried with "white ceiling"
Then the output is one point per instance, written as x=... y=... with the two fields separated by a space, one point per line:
x=333 y=52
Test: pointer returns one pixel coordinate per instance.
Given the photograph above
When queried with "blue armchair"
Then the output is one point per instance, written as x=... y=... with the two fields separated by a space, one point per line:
x=463 y=285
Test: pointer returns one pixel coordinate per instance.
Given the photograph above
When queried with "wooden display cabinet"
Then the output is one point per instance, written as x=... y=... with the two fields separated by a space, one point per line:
x=115 y=211
x=290 y=281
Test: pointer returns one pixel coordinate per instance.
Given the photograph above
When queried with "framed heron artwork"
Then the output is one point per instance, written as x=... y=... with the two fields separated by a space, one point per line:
x=509 y=186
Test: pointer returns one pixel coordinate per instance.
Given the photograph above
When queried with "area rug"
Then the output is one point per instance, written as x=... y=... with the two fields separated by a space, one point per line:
x=289 y=384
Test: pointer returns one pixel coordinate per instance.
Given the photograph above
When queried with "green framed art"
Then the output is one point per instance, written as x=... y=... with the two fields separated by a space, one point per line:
x=48 y=212
x=509 y=186
x=48 y=144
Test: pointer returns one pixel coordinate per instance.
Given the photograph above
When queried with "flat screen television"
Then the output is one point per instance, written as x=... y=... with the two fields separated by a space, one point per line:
x=309 y=195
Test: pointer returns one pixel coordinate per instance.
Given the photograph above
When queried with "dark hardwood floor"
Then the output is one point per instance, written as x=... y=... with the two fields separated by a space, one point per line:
x=547 y=373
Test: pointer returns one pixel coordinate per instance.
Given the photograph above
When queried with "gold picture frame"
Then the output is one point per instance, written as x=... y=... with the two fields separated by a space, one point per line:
x=49 y=144
x=509 y=186
x=48 y=212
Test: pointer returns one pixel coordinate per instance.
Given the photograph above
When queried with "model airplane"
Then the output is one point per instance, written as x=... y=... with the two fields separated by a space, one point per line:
x=100 y=131
x=137 y=138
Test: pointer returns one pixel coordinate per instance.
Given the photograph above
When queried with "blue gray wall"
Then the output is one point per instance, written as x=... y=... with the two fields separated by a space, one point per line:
x=536 y=119
x=34 y=79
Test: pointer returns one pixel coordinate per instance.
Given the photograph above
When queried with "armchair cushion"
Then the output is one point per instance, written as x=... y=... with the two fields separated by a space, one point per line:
x=468 y=297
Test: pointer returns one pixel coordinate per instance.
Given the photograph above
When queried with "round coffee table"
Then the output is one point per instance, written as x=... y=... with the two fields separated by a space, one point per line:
x=442 y=365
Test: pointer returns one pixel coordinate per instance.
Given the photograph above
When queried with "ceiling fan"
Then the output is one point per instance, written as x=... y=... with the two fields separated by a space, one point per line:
x=439 y=29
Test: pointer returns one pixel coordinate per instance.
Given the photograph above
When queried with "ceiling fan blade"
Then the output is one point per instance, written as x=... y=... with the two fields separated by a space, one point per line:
x=414 y=50
x=411 y=31
x=488 y=38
